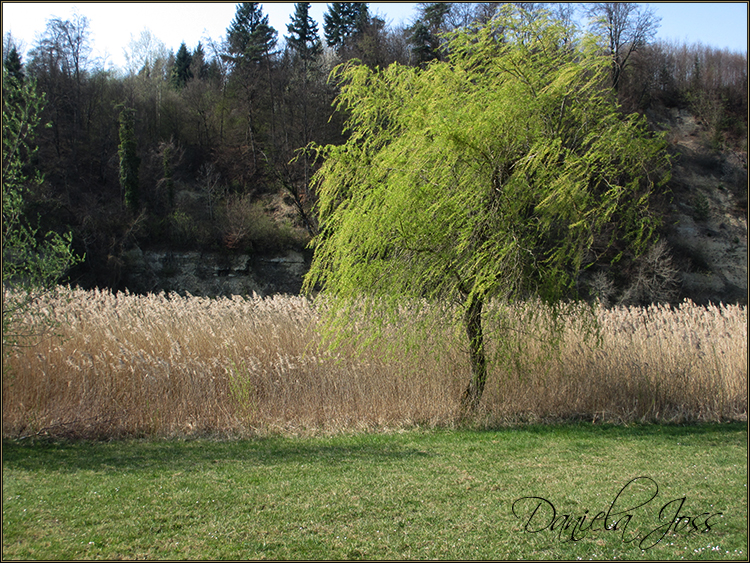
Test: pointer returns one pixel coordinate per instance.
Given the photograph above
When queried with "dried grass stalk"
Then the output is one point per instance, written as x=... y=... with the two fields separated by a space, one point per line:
x=129 y=365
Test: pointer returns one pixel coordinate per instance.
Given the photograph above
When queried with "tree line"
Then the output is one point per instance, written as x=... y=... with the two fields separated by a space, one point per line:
x=200 y=148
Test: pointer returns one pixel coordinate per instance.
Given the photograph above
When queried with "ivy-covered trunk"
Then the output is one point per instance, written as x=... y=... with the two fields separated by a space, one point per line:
x=473 y=324
x=129 y=160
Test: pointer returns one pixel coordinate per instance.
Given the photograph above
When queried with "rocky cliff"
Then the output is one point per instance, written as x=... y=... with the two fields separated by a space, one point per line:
x=705 y=224
x=214 y=273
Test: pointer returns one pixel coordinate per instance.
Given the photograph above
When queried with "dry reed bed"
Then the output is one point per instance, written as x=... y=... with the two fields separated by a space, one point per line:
x=658 y=363
x=168 y=365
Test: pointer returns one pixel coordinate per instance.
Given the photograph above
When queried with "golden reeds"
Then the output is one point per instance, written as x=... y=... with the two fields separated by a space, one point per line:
x=164 y=365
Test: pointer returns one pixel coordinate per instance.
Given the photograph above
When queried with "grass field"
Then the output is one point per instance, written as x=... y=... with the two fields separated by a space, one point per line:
x=419 y=494
x=156 y=365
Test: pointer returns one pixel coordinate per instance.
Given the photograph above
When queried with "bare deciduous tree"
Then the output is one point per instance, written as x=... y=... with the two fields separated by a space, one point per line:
x=627 y=27
x=210 y=184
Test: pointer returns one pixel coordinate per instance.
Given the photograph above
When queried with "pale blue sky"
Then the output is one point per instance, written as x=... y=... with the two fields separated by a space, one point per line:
x=719 y=24
x=112 y=24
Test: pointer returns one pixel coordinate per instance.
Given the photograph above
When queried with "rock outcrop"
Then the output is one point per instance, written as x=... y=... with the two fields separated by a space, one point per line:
x=706 y=225
x=213 y=273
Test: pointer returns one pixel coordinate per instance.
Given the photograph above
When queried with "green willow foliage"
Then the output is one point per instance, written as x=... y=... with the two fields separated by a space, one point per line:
x=489 y=175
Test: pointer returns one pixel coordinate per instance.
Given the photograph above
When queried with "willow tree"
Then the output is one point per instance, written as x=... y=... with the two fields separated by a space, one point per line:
x=489 y=175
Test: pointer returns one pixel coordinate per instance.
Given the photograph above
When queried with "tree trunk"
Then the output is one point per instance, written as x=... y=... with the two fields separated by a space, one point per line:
x=473 y=321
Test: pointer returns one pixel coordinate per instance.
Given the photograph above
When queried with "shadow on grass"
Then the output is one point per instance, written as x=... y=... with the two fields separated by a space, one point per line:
x=633 y=430
x=187 y=455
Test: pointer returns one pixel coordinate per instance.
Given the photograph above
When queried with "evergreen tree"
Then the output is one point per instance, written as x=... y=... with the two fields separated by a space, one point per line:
x=198 y=64
x=343 y=21
x=251 y=41
x=303 y=33
x=129 y=160
x=422 y=43
x=249 y=35
x=181 y=72
x=14 y=66
x=304 y=41
x=424 y=34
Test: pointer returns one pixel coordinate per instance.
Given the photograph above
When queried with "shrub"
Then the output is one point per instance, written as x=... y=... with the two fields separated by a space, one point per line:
x=247 y=227
x=701 y=208
x=655 y=278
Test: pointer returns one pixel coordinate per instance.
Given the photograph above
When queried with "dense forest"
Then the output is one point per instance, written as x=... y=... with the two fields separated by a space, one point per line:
x=205 y=148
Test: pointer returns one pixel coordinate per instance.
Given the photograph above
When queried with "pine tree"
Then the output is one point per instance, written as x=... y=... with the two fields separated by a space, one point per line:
x=198 y=64
x=181 y=72
x=303 y=33
x=251 y=41
x=304 y=41
x=422 y=44
x=343 y=21
x=14 y=66
x=424 y=34
x=249 y=35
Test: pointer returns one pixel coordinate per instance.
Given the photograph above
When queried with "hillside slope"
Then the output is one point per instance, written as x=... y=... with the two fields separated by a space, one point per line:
x=705 y=222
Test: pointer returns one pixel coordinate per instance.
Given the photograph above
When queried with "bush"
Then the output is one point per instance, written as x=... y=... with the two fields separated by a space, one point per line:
x=247 y=227
x=654 y=279
x=701 y=208
x=186 y=231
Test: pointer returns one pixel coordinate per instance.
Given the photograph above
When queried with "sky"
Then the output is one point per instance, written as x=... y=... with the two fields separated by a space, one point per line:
x=113 y=25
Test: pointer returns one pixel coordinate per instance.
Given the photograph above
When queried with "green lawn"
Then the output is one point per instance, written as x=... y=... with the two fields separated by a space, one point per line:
x=433 y=494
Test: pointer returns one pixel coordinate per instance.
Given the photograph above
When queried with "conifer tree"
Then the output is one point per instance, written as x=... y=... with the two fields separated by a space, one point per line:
x=303 y=33
x=423 y=45
x=198 y=65
x=181 y=72
x=14 y=66
x=251 y=41
x=424 y=33
x=249 y=35
x=343 y=21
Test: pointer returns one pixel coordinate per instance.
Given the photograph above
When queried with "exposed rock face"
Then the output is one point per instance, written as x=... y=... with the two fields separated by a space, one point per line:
x=213 y=273
x=707 y=222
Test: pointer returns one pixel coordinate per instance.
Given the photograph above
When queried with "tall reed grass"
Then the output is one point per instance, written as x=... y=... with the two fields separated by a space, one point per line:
x=165 y=365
